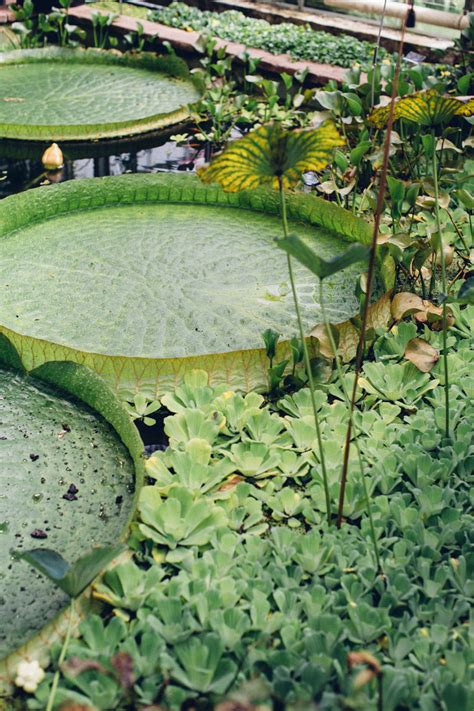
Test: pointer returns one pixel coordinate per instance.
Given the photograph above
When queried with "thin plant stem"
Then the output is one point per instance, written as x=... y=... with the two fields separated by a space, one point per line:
x=370 y=279
x=376 y=54
x=345 y=392
x=444 y=286
x=54 y=685
x=307 y=362
x=458 y=232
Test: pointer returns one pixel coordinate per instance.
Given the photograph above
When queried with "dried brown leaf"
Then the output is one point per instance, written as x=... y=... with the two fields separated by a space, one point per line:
x=356 y=658
x=422 y=354
x=405 y=303
x=379 y=316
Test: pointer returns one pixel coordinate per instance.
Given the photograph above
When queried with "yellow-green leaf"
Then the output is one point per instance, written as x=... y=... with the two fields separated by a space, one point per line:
x=270 y=154
x=426 y=108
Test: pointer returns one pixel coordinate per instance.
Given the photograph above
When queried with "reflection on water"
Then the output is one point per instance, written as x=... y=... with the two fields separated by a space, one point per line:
x=21 y=167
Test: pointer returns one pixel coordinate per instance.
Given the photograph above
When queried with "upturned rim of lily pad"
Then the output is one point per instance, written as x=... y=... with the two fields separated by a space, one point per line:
x=169 y=64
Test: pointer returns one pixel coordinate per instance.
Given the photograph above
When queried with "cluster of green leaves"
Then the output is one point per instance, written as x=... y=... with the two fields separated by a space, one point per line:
x=409 y=226
x=237 y=98
x=286 y=38
x=236 y=577
x=37 y=29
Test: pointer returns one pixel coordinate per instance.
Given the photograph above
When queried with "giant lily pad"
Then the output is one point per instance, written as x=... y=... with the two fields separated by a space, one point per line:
x=142 y=277
x=76 y=94
x=68 y=472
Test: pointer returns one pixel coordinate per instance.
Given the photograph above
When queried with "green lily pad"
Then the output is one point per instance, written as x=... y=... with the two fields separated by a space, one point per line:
x=143 y=277
x=70 y=471
x=58 y=94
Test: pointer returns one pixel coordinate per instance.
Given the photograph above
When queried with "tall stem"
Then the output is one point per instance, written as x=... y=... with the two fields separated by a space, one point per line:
x=307 y=361
x=370 y=278
x=444 y=285
x=342 y=383
x=376 y=55
x=54 y=685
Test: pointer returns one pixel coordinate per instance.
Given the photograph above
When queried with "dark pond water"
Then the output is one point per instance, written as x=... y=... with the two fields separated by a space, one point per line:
x=21 y=167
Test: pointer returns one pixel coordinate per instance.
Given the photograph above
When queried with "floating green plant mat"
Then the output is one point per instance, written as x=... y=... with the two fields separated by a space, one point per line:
x=77 y=94
x=143 y=277
x=68 y=472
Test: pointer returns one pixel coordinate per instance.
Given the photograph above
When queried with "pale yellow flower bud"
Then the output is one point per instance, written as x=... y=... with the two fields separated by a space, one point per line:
x=53 y=158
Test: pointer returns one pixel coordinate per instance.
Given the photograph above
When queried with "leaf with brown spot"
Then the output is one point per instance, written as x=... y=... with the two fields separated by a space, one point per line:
x=75 y=666
x=422 y=354
x=123 y=665
x=231 y=482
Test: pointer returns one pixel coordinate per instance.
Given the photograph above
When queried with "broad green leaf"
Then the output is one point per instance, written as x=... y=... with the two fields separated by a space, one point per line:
x=465 y=294
x=300 y=249
x=270 y=154
x=71 y=579
x=466 y=198
x=212 y=310
x=102 y=94
x=48 y=562
x=396 y=188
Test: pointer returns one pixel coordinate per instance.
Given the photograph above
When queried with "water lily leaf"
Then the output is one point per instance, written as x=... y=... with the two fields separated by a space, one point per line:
x=104 y=94
x=212 y=310
x=422 y=354
x=46 y=430
x=270 y=154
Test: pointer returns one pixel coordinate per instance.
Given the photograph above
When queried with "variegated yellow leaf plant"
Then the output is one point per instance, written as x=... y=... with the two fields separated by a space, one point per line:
x=272 y=156
x=426 y=108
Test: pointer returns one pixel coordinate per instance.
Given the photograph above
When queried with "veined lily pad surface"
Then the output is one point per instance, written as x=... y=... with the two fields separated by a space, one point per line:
x=142 y=276
x=64 y=94
x=67 y=480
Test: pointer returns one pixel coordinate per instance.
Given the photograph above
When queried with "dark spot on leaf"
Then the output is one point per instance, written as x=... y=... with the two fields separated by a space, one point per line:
x=38 y=533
